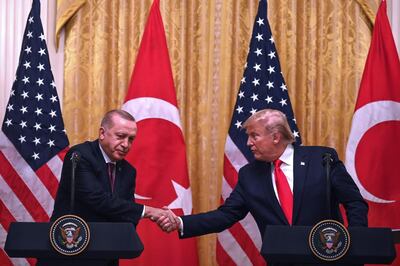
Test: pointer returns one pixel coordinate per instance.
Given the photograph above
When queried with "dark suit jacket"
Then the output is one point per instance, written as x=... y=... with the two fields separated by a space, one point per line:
x=254 y=193
x=94 y=201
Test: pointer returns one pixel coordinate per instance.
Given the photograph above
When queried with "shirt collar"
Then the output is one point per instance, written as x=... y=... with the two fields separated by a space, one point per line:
x=287 y=155
x=105 y=156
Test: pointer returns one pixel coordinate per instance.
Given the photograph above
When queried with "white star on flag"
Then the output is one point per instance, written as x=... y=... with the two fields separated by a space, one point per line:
x=258 y=52
x=257 y=67
x=183 y=200
x=271 y=54
x=27 y=64
x=256 y=82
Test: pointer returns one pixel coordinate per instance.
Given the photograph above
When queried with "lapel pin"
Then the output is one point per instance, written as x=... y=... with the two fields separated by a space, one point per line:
x=302 y=163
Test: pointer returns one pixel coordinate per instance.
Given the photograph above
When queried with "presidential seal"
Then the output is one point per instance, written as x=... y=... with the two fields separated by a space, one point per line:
x=69 y=235
x=329 y=240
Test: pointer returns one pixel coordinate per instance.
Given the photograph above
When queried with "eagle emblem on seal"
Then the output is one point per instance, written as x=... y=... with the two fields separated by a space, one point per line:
x=330 y=239
x=70 y=234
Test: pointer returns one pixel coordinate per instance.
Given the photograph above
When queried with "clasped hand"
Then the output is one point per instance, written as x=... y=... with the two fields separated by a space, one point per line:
x=165 y=218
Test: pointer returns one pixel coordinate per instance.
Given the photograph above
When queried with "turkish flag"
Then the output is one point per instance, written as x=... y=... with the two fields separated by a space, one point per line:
x=158 y=152
x=374 y=141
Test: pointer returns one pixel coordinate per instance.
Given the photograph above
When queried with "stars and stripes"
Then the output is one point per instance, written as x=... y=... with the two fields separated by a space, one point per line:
x=262 y=86
x=33 y=139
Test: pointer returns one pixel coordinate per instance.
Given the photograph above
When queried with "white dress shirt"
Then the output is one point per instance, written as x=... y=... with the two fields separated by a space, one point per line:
x=108 y=160
x=286 y=167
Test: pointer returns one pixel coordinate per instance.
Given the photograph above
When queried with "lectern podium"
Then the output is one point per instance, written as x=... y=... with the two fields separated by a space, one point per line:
x=107 y=241
x=289 y=244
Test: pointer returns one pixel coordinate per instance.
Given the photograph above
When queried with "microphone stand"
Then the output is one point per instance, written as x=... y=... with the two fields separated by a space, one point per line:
x=327 y=162
x=74 y=158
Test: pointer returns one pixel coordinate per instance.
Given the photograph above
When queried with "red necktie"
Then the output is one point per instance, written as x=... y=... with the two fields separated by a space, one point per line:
x=284 y=193
x=111 y=175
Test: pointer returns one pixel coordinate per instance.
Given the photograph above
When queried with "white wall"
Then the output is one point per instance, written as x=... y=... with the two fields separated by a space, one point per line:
x=394 y=18
x=13 y=16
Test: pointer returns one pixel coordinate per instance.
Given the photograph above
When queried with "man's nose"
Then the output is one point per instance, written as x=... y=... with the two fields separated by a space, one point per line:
x=249 y=142
x=125 y=143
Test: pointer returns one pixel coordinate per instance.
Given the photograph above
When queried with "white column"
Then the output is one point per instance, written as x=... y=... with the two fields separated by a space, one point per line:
x=393 y=11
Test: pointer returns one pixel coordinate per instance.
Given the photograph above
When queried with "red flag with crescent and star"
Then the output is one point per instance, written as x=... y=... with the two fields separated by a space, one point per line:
x=374 y=138
x=158 y=152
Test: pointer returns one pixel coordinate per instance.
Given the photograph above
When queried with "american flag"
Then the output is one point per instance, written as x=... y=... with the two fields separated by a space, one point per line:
x=33 y=141
x=262 y=86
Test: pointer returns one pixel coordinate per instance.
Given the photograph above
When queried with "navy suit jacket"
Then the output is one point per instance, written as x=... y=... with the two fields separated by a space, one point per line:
x=94 y=201
x=254 y=193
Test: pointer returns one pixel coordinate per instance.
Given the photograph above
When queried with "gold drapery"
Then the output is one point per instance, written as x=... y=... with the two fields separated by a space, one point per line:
x=322 y=46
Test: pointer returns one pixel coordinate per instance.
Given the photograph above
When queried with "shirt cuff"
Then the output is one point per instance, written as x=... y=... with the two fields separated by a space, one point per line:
x=180 y=226
x=144 y=210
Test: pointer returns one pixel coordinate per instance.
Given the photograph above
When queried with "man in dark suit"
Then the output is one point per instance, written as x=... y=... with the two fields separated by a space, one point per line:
x=297 y=199
x=105 y=182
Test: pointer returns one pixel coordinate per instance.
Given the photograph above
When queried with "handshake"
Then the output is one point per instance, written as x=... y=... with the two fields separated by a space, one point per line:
x=165 y=218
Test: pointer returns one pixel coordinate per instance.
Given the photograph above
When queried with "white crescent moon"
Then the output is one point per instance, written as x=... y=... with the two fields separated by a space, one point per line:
x=363 y=119
x=149 y=107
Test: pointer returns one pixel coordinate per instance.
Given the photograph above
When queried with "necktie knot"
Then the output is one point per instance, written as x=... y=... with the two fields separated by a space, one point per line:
x=110 y=168
x=277 y=163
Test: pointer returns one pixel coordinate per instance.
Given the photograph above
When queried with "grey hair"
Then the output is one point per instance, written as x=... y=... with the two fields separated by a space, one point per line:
x=107 y=121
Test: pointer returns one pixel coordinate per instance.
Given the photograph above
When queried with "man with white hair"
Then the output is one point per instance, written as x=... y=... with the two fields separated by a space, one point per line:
x=284 y=185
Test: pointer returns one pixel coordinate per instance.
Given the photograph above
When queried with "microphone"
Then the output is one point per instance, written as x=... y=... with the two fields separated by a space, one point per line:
x=75 y=156
x=326 y=161
x=327 y=158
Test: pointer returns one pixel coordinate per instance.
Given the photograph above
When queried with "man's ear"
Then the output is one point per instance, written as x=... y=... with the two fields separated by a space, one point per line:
x=276 y=137
x=101 y=133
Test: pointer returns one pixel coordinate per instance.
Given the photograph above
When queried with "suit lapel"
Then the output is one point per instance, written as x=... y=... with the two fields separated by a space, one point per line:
x=300 y=167
x=102 y=166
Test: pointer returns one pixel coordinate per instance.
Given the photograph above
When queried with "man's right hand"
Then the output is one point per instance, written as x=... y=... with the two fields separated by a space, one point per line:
x=169 y=222
x=165 y=218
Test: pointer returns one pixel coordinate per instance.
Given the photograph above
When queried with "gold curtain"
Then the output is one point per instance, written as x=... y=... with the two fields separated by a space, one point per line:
x=322 y=46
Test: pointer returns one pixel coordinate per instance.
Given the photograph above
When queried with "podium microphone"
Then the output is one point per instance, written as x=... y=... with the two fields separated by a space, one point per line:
x=326 y=158
x=75 y=156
